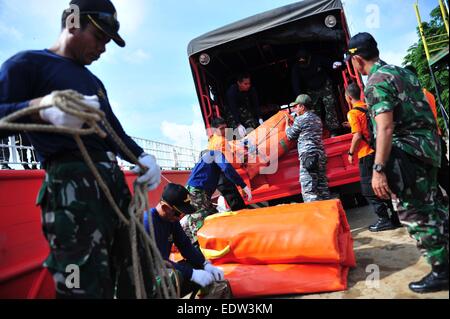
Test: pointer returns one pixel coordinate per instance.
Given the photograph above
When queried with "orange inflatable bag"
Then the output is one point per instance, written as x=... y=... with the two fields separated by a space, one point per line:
x=229 y=150
x=259 y=148
x=266 y=280
x=315 y=232
x=266 y=144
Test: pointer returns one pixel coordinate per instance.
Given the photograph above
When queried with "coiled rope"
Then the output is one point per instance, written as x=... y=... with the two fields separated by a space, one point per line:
x=71 y=102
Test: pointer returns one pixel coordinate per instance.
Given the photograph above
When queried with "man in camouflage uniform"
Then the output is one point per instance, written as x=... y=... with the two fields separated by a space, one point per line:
x=243 y=105
x=307 y=128
x=83 y=230
x=89 y=246
x=407 y=156
x=202 y=183
x=310 y=76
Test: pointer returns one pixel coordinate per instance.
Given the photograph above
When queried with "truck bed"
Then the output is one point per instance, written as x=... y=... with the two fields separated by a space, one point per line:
x=285 y=182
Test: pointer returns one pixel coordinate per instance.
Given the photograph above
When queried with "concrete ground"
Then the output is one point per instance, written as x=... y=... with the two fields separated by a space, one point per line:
x=393 y=252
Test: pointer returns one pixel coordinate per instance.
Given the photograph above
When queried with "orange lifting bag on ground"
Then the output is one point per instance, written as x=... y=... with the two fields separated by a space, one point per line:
x=268 y=280
x=315 y=232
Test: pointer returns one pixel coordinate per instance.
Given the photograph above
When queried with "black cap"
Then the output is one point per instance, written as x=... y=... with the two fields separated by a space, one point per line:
x=178 y=197
x=103 y=15
x=363 y=44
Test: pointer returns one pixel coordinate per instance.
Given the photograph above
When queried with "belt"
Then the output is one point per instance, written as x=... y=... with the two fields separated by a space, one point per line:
x=75 y=156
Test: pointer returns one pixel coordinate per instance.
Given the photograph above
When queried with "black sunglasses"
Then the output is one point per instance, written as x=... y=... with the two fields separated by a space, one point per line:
x=107 y=18
x=176 y=211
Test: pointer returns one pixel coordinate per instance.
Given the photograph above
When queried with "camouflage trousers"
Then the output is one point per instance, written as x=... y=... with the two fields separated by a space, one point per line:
x=425 y=217
x=89 y=248
x=201 y=201
x=314 y=182
x=325 y=96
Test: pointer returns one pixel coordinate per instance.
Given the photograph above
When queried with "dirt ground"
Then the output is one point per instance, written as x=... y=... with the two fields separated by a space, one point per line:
x=393 y=252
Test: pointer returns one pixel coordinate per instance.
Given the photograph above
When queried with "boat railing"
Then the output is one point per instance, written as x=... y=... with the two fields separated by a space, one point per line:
x=16 y=154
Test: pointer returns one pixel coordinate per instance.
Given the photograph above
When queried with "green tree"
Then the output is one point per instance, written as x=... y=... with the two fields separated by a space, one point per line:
x=416 y=57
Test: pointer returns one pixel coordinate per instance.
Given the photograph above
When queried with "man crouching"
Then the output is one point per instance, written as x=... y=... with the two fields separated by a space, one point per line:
x=195 y=271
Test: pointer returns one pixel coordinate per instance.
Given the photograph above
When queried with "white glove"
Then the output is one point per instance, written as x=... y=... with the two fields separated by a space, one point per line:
x=242 y=131
x=248 y=192
x=216 y=272
x=337 y=65
x=202 y=277
x=57 y=117
x=152 y=176
x=261 y=122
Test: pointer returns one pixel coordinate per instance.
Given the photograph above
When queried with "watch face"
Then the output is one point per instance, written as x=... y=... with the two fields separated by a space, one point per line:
x=378 y=168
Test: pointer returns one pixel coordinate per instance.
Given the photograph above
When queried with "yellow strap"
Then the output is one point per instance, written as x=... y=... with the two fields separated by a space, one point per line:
x=215 y=254
x=219 y=215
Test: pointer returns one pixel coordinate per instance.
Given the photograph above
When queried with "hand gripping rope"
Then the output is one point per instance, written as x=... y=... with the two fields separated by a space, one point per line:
x=70 y=102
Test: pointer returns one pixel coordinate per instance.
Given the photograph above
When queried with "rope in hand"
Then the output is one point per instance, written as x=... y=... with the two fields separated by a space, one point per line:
x=70 y=102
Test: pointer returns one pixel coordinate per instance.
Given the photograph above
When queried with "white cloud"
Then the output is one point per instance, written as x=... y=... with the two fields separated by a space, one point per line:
x=131 y=15
x=401 y=48
x=392 y=57
x=10 y=32
x=181 y=135
x=137 y=57
x=43 y=11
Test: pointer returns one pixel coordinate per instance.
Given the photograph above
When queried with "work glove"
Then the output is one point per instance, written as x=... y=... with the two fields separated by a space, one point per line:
x=202 y=277
x=337 y=65
x=242 y=131
x=261 y=122
x=57 y=117
x=248 y=192
x=216 y=272
x=152 y=177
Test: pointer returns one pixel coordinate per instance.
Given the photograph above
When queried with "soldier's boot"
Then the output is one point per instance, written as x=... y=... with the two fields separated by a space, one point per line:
x=395 y=220
x=436 y=280
x=383 y=223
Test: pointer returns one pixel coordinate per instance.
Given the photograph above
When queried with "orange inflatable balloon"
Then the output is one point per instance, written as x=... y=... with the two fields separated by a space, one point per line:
x=315 y=232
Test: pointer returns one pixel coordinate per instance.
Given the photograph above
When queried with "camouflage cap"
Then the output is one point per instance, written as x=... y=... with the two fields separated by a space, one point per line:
x=302 y=99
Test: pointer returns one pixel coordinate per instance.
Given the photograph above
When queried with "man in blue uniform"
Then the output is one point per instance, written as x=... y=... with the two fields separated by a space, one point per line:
x=81 y=227
x=243 y=104
x=202 y=183
x=195 y=270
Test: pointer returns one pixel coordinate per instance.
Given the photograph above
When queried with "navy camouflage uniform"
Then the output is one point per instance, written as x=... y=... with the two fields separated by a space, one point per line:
x=307 y=128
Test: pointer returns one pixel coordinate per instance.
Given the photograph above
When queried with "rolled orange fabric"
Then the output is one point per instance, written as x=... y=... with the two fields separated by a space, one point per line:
x=267 y=280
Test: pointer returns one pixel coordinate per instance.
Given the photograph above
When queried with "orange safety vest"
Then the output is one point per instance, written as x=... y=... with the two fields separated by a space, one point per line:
x=432 y=101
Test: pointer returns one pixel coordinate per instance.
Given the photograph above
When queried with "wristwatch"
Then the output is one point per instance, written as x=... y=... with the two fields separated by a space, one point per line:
x=379 y=168
x=350 y=153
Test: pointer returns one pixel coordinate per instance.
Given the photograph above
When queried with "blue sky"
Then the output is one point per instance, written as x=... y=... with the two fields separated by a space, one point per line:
x=149 y=82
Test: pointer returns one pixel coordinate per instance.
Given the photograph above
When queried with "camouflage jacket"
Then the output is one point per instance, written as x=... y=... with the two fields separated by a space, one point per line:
x=307 y=129
x=394 y=89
